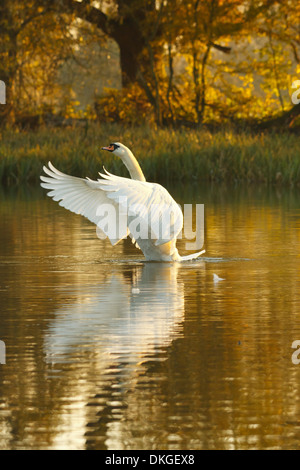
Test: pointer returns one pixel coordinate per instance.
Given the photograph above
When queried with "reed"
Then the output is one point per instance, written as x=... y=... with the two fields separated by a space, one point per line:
x=164 y=154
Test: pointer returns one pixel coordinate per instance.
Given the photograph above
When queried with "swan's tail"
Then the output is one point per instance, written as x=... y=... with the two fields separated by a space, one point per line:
x=193 y=256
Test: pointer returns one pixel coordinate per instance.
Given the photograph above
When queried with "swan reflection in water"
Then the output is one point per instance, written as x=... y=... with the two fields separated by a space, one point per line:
x=132 y=314
x=101 y=345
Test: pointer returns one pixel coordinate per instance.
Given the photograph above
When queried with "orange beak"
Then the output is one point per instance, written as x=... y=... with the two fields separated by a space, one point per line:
x=110 y=148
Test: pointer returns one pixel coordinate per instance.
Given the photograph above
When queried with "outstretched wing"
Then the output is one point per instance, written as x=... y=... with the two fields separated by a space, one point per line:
x=150 y=203
x=81 y=196
x=155 y=209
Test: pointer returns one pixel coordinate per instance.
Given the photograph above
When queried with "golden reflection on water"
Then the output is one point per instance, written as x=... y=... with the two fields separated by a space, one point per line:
x=105 y=351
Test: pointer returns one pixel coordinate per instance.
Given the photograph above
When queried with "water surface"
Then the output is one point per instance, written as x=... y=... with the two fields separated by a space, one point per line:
x=105 y=351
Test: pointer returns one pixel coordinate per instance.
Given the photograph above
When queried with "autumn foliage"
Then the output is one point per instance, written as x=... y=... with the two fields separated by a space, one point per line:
x=172 y=62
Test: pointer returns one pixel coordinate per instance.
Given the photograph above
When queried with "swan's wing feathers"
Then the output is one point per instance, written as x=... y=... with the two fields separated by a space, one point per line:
x=148 y=205
x=167 y=215
x=150 y=202
x=81 y=196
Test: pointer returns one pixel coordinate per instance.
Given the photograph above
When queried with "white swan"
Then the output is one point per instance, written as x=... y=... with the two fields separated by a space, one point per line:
x=134 y=196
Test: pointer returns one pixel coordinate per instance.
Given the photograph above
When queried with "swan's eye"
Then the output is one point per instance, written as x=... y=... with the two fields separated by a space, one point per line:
x=111 y=147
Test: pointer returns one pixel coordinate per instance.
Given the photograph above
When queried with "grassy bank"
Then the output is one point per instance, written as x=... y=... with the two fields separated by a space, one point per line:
x=165 y=155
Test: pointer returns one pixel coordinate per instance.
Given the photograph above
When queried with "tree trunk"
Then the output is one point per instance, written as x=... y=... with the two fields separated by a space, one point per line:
x=129 y=58
x=8 y=61
x=284 y=121
x=126 y=27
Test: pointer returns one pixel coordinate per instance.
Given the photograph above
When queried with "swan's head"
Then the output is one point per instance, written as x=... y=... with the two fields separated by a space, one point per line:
x=128 y=159
x=117 y=148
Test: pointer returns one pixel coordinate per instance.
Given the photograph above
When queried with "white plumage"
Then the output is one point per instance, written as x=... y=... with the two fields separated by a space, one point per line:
x=146 y=206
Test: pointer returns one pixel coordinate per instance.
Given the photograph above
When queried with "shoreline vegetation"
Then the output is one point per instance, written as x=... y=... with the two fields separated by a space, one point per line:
x=165 y=155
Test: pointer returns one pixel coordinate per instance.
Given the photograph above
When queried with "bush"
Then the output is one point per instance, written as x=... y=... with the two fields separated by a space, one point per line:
x=128 y=105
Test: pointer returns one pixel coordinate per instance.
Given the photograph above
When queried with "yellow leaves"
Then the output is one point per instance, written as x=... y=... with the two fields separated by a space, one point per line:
x=245 y=83
x=128 y=105
x=298 y=70
x=72 y=110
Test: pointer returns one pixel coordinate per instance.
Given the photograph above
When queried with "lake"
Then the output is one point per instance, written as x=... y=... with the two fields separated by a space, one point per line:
x=106 y=351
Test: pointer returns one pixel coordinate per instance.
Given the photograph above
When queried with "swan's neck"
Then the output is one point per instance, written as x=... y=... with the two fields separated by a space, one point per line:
x=133 y=167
